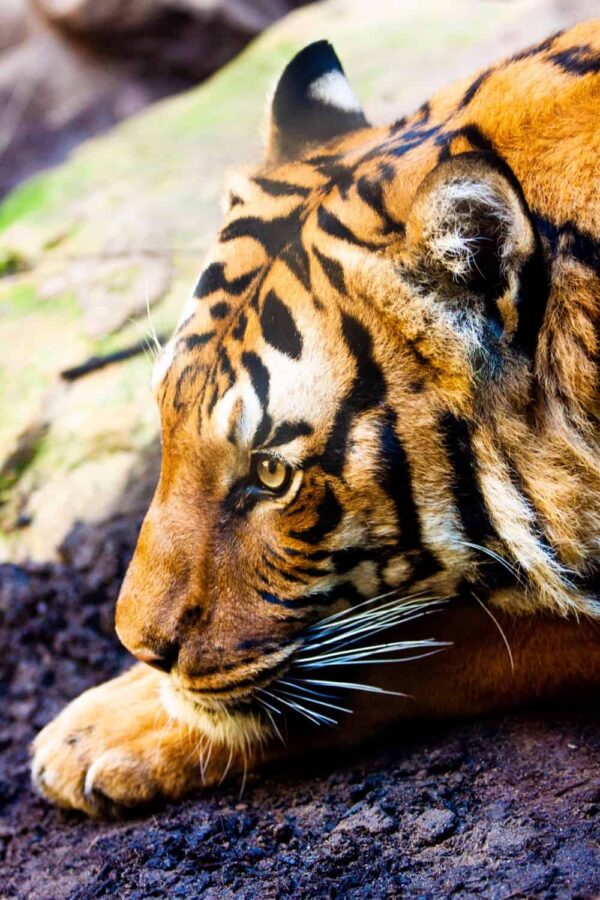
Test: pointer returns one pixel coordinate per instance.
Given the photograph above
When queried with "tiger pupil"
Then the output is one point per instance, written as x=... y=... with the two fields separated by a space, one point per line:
x=272 y=473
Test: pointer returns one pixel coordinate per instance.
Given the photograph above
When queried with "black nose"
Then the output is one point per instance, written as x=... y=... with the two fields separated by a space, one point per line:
x=163 y=657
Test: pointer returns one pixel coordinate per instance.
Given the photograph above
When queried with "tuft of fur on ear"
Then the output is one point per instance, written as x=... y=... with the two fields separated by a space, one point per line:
x=471 y=243
x=313 y=103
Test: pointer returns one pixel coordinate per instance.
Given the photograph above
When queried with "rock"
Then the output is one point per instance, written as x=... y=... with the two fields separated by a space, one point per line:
x=367 y=818
x=134 y=211
x=434 y=825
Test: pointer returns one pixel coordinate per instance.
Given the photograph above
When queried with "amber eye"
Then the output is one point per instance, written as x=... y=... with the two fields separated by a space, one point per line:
x=271 y=474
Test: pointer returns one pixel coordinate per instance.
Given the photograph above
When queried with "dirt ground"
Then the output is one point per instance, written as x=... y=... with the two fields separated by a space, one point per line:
x=504 y=807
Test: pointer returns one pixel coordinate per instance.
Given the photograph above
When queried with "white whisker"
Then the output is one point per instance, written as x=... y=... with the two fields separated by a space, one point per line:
x=312 y=700
x=373 y=648
x=292 y=684
x=377 y=623
x=496 y=556
x=153 y=334
x=499 y=627
x=354 y=661
x=353 y=686
x=272 y=720
x=352 y=609
x=316 y=717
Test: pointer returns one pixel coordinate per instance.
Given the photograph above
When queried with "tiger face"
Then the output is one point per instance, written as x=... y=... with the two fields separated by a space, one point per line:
x=328 y=399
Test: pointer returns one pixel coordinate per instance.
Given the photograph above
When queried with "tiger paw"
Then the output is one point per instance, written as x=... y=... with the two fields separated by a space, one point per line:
x=115 y=748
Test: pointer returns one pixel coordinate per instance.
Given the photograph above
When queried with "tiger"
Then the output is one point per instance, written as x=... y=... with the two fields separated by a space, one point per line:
x=380 y=451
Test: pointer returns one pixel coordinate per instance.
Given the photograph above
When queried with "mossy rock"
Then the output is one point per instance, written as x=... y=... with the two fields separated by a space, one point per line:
x=126 y=221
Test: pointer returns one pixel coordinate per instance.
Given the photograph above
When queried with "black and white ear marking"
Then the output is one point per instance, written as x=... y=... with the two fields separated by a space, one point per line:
x=471 y=241
x=313 y=103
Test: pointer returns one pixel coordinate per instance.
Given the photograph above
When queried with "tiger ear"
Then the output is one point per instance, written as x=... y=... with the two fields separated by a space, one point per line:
x=313 y=103
x=471 y=243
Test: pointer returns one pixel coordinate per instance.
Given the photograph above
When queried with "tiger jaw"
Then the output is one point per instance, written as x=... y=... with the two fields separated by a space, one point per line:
x=239 y=728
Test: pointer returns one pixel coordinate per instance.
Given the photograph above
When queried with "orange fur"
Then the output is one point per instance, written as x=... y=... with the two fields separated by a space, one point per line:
x=406 y=320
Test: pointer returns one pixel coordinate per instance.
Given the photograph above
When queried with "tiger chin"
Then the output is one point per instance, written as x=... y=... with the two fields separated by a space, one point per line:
x=380 y=484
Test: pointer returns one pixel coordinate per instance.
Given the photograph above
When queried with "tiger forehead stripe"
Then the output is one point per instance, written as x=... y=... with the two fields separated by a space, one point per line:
x=278 y=326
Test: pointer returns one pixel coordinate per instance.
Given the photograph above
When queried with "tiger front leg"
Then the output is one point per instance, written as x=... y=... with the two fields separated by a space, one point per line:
x=116 y=747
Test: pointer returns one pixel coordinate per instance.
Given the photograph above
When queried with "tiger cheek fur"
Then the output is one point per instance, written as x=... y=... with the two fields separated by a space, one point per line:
x=382 y=396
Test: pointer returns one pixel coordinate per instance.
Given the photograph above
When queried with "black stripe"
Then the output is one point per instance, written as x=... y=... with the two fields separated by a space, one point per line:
x=213 y=400
x=186 y=377
x=239 y=330
x=315 y=555
x=219 y=310
x=272 y=234
x=279 y=328
x=329 y=515
x=347 y=559
x=473 y=134
x=259 y=376
x=296 y=258
x=331 y=225
x=396 y=480
x=213 y=279
x=344 y=591
x=474 y=87
x=226 y=367
x=332 y=270
x=567 y=238
x=281 y=188
x=413 y=137
x=536 y=49
x=287 y=576
x=398 y=125
x=289 y=431
x=368 y=390
x=371 y=193
x=194 y=341
x=468 y=497
x=583 y=60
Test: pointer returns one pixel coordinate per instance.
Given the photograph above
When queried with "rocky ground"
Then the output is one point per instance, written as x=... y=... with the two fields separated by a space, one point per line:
x=502 y=807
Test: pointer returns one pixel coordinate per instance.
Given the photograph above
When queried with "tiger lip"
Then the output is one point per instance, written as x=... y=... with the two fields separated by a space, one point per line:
x=245 y=689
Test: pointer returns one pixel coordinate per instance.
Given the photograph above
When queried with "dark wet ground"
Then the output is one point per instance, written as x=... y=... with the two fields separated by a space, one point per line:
x=499 y=808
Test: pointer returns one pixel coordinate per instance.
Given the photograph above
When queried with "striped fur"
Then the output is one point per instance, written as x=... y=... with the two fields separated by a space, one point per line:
x=408 y=318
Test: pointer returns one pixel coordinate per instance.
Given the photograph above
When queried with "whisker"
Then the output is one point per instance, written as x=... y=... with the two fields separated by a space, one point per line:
x=353 y=686
x=153 y=334
x=227 y=767
x=272 y=720
x=273 y=708
x=316 y=717
x=499 y=627
x=354 y=661
x=379 y=622
x=244 y=776
x=373 y=648
x=318 y=702
x=496 y=556
x=292 y=684
x=352 y=609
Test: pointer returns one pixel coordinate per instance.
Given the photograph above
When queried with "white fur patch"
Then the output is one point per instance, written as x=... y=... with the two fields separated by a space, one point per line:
x=333 y=89
x=162 y=365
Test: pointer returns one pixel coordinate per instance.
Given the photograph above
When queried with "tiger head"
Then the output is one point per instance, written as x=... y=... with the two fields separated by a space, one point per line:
x=371 y=294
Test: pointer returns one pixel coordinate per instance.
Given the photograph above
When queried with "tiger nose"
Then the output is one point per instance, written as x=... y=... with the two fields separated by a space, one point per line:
x=162 y=658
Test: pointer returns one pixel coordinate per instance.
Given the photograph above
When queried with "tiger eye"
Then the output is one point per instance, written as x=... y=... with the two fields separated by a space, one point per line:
x=272 y=473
